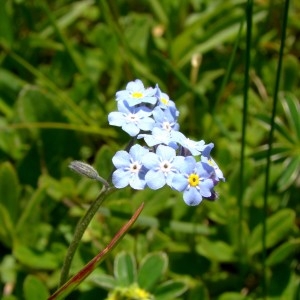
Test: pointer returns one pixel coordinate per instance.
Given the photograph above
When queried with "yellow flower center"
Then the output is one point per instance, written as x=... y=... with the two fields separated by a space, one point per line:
x=137 y=95
x=193 y=180
x=164 y=101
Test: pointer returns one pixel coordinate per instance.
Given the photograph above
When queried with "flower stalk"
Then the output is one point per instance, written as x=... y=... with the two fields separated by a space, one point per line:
x=79 y=231
x=71 y=284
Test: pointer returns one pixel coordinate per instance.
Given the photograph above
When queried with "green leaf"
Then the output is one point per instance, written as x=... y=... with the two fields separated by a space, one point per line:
x=9 y=190
x=34 y=289
x=215 y=250
x=292 y=110
x=170 y=290
x=31 y=210
x=290 y=173
x=278 y=226
x=105 y=281
x=36 y=259
x=6 y=227
x=6 y=25
x=284 y=251
x=151 y=270
x=232 y=296
x=125 y=269
x=9 y=297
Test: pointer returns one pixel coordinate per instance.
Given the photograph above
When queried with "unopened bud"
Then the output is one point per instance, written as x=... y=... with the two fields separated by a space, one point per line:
x=86 y=170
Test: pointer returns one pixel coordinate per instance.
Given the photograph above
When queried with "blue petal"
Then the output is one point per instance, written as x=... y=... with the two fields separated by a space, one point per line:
x=206 y=187
x=137 y=183
x=165 y=152
x=120 y=178
x=187 y=166
x=137 y=152
x=146 y=124
x=192 y=197
x=179 y=182
x=136 y=85
x=155 y=180
x=131 y=129
x=150 y=160
x=115 y=118
x=121 y=159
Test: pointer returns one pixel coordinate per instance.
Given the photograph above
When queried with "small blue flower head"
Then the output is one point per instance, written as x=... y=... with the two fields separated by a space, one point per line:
x=131 y=119
x=158 y=136
x=165 y=118
x=164 y=100
x=162 y=166
x=217 y=175
x=136 y=93
x=193 y=181
x=195 y=148
x=129 y=168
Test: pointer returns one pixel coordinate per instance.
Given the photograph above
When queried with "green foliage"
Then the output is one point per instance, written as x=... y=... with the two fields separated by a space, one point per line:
x=61 y=63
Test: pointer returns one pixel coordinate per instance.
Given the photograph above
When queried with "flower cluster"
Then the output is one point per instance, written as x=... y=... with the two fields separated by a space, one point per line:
x=168 y=156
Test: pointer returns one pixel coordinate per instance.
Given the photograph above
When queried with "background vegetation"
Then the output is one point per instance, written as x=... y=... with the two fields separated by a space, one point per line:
x=61 y=64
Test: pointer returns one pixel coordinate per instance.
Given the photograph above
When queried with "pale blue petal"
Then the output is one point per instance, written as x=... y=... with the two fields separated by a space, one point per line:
x=179 y=182
x=120 y=178
x=116 y=118
x=165 y=152
x=192 y=197
x=131 y=129
x=137 y=183
x=137 y=152
x=121 y=159
x=205 y=187
x=150 y=160
x=155 y=180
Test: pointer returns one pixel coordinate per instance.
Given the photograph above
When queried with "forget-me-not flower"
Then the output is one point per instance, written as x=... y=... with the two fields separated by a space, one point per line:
x=129 y=168
x=165 y=119
x=206 y=158
x=195 y=148
x=169 y=156
x=136 y=93
x=162 y=166
x=158 y=136
x=131 y=119
x=193 y=181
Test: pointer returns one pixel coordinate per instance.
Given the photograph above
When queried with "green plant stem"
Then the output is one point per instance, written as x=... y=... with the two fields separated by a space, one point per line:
x=79 y=231
x=249 y=7
x=270 y=144
x=71 y=284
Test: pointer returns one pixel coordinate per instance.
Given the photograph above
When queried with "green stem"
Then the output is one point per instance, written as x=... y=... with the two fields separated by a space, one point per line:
x=270 y=145
x=241 y=241
x=79 y=231
x=71 y=284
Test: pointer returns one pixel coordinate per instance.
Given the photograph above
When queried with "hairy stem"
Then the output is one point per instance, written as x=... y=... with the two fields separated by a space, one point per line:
x=79 y=231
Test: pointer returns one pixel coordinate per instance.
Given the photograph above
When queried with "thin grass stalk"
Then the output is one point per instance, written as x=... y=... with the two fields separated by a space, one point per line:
x=229 y=67
x=71 y=284
x=270 y=143
x=249 y=7
x=79 y=231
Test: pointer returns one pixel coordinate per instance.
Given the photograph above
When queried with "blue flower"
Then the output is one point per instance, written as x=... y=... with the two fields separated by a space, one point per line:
x=158 y=136
x=193 y=181
x=129 y=168
x=165 y=119
x=136 y=93
x=164 y=100
x=131 y=119
x=162 y=166
x=217 y=175
x=195 y=148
